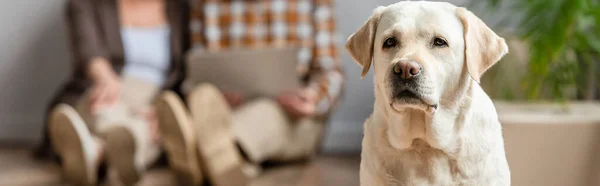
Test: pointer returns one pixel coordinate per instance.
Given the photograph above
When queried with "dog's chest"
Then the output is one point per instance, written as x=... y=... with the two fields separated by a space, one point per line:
x=419 y=165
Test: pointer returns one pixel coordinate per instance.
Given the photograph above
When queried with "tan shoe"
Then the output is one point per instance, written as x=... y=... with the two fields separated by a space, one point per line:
x=72 y=140
x=178 y=138
x=121 y=151
x=211 y=116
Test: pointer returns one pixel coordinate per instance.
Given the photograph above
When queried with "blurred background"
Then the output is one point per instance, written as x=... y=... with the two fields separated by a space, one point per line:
x=546 y=90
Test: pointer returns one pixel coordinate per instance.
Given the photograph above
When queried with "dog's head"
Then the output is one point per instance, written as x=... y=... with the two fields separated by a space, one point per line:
x=423 y=51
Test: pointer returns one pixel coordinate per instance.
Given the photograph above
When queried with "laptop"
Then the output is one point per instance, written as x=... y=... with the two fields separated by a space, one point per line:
x=252 y=72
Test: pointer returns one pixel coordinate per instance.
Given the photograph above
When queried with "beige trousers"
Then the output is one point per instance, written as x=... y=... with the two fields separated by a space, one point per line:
x=136 y=96
x=265 y=132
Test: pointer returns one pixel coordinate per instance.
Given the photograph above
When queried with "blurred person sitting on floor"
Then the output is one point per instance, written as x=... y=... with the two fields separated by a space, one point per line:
x=125 y=52
x=224 y=130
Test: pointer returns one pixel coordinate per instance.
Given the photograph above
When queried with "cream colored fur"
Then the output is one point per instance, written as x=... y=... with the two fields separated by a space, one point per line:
x=457 y=142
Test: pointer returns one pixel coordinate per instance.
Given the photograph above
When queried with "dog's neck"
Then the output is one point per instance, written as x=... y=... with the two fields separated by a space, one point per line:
x=440 y=130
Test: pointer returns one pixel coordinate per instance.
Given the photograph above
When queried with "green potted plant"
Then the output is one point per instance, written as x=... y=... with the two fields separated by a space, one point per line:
x=549 y=84
x=563 y=43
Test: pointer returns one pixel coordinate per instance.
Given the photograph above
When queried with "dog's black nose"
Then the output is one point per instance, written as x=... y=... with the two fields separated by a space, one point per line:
x=407 y=69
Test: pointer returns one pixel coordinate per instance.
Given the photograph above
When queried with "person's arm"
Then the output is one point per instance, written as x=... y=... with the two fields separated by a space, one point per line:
x=90 y=58
x=325 y=72
x=84 y=37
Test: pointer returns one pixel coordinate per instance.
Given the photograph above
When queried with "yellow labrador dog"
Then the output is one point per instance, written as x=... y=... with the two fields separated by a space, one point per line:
x=432 y=123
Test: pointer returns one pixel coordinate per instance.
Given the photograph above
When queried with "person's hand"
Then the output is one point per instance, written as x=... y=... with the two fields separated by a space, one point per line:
x=105 y=93
x=106 y=86
x=298 y=104
x=234 y=99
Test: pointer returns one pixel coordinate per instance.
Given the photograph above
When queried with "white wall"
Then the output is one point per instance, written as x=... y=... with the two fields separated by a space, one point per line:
x=33 y=61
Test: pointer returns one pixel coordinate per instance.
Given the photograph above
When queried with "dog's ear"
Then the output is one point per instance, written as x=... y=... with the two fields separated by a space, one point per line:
x=483 y=48
x=360 y=44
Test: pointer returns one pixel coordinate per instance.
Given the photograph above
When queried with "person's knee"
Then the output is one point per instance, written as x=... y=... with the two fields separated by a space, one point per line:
x=205 y=89
x=205 y=93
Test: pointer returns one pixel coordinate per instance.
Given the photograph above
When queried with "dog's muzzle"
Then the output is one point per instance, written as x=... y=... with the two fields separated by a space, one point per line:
x=406 y=87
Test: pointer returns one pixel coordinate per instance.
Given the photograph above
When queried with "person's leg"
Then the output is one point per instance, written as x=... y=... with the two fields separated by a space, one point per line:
x=260 y=127
x=211 y=117
x=130 y=146
x=131 y=149
x=277 y=138
x=303 y=141
x=80 y=151
x=178 y=138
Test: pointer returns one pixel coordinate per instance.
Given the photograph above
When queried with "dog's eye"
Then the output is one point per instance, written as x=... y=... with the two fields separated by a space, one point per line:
x=439 y=42
x=389 y=42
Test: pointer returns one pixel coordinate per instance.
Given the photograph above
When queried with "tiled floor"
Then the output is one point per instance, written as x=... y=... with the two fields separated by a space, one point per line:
x=18 y=169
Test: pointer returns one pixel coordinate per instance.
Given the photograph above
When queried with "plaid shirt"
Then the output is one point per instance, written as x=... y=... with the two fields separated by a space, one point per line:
x=309 y=24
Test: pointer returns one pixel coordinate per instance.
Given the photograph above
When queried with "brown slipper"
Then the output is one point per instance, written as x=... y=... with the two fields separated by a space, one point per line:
x=120 y=148
x=72 y=140
x=219 y=155
x=178 y=138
